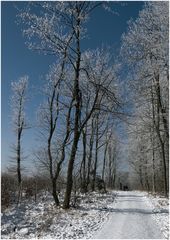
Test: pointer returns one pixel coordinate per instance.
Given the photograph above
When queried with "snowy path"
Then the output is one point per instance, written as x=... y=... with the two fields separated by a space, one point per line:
x=131 y=217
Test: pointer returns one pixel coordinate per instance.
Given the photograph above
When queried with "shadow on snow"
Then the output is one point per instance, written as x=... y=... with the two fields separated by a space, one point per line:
x=125 y=210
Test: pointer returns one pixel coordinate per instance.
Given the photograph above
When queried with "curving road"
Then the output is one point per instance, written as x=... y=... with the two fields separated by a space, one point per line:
x=130 y=218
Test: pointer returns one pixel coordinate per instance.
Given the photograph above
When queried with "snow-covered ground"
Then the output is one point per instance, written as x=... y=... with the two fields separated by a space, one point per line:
x=120 y=214
x=131 y=218
x=44 y=220
x=161 y=212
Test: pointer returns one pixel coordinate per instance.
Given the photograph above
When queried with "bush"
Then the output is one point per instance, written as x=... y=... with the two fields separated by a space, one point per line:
x=8 y=189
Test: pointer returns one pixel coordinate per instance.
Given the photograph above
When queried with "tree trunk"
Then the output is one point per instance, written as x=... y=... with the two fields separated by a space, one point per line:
x=96 y=152
x=140 y=177
x=69 y=185
x=54 y=193
x=19 y=151
x=162 y=149
x=77 y=99
x=153 y=142
x=164 y=168
x=90 y=154
x=114 y=178
x=104 y=161
x=159 y=109
x=153 y=168
x=110 y=170
x=19 y=163
x=83 y=165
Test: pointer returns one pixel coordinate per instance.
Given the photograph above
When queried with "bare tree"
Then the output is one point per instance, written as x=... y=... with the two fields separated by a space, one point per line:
x=56 y=108
x=19 y=89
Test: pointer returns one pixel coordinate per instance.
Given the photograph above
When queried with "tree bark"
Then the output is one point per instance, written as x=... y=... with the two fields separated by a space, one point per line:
x=19 y=133
x=104 y=161
x=77 y=99
x=69 y=185
x=83 y=165
x=54 y=193
x=19 y=161
x=153 y=142
x=96 y=152
x=90 y=154
x=161 y=141
x=163 y=112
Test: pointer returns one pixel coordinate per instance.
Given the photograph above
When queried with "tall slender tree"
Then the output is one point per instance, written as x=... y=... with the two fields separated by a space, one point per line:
x=18 y=99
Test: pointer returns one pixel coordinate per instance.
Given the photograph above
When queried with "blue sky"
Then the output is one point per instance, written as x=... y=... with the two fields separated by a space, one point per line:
x=16 y=60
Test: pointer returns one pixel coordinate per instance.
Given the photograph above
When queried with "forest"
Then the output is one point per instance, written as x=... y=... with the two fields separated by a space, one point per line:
x=88 y=97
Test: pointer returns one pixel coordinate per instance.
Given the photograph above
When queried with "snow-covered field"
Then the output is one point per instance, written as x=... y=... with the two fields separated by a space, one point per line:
x=44 y=220
x=161 y=212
